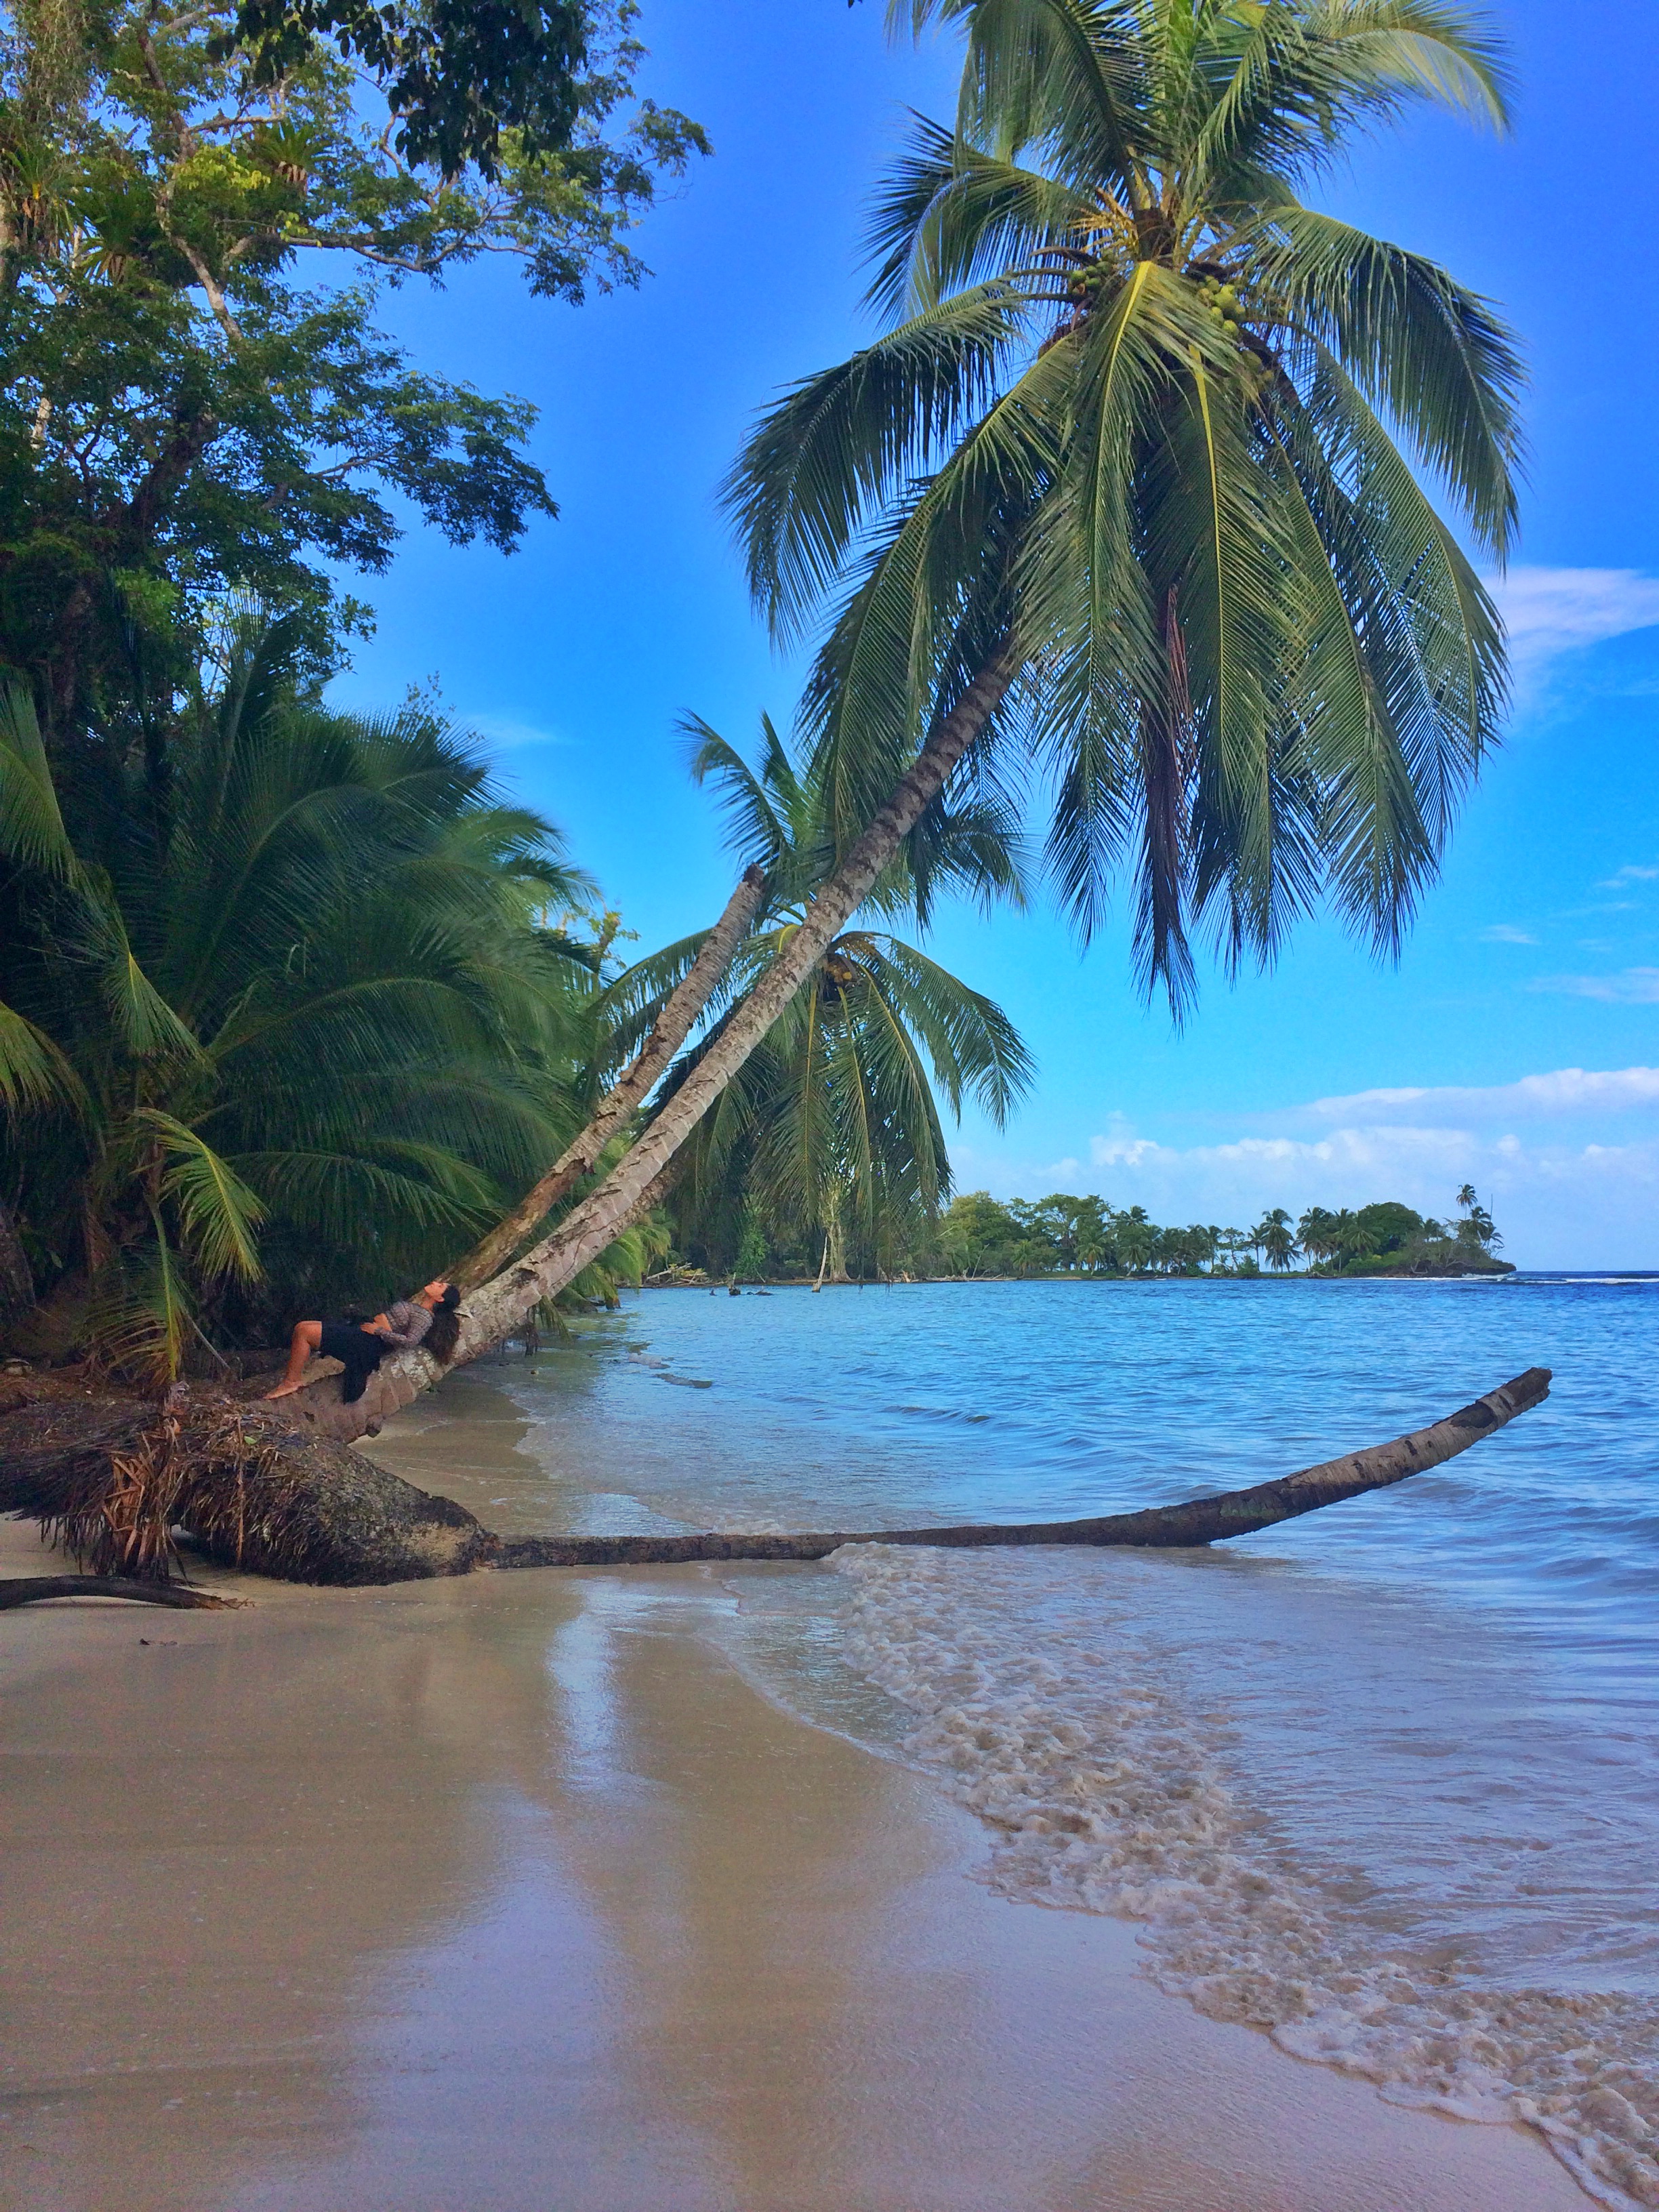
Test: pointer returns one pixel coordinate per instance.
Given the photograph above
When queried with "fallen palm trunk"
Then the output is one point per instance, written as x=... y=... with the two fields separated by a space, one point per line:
x=35 y=1590
x=256 y=1494
x=1204 y=1521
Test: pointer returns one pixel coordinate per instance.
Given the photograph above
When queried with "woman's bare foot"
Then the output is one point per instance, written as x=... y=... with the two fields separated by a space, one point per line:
x=283 y=1390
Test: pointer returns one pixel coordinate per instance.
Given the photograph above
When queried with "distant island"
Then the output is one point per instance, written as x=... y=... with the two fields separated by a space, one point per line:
x=978 y=1237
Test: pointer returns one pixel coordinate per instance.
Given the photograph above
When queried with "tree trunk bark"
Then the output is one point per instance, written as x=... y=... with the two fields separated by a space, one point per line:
x=670 y=1032
x=497 y=1307
x=254 y=1490
x=16 y=1282
x=590 y=1227
x=260 y=1496
x=1204 y=1521
x=36 y=1589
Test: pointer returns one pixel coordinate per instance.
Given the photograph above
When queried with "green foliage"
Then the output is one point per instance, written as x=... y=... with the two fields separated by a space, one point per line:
x=192 y=238
x=284 y=1025
x=1272 y=1238
x=978 y=1236
x=1146 y=427
x=455 y=73
x=750 y=1260
x=830 y=1136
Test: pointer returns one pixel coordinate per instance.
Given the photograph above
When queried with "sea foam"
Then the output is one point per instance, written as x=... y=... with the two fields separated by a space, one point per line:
x=1111 y=1773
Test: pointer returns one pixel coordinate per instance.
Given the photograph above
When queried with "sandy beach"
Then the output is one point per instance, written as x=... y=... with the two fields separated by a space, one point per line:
x=512 y=1892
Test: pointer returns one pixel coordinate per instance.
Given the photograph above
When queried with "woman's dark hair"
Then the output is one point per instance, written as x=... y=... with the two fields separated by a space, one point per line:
x=445 y=1332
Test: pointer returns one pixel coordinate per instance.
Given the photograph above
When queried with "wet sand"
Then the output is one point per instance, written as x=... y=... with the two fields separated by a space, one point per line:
x=511 y=1892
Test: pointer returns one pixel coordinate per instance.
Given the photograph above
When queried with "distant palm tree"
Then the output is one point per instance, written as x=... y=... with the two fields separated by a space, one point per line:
x=1137 y=1239
x=1349 y=1238
x=1094 y=1244
x=1316 y=1233
x=1273 y=1236
x=833 y=1126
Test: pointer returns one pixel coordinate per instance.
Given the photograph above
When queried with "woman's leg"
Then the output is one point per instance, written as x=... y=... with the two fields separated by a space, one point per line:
x=308 y=1335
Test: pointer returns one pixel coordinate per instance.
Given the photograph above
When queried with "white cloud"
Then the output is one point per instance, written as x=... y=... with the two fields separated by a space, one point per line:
x=1565 y=1092
x=1564 y=1195
x=508 y=735
x=1505 y=933
x=1550 y=611
x=1632 y=874
x=1631 y=986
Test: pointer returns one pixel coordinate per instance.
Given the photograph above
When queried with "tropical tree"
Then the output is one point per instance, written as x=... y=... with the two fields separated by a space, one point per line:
x=976 y=1235
x=1128 y=482
x=281 y=1027
x=1350 y=1237
x=1095 y=1249
x=198 y=208
x=1137 y=1239
x=832 y=1128
x=1316 y=1233
x=1477 y=1226
x=1273 y=1236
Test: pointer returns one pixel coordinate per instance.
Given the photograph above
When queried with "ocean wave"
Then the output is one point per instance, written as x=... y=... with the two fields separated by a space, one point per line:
x=1107 y=1774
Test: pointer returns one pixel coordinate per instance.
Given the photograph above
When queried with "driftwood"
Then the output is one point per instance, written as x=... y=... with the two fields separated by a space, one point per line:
x=256 y=1494
x=35 y=1590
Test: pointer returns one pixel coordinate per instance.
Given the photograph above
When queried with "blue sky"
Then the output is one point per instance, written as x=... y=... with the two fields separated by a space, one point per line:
x=1515 y=1044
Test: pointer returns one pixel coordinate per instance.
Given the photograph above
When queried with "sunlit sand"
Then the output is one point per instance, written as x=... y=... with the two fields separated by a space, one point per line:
x=510 y=1891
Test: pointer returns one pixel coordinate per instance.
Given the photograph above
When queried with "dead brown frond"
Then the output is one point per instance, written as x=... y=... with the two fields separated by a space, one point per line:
x=248 y=1500
x=117 y=1518
x=208 y=1468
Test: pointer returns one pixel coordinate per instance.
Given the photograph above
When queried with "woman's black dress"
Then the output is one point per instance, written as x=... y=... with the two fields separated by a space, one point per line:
x=357 y=1352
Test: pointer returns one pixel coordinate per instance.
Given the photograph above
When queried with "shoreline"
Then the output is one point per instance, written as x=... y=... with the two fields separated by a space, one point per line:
x=512 y=1889
x=1499 y=1272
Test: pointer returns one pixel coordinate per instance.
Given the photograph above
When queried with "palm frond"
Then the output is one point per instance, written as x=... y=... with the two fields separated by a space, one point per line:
x=815 y=462
x=32 y=832
x=218 y=1215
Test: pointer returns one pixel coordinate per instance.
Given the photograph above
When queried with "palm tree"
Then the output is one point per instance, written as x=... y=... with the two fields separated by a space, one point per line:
x=1272 y=1235
x=293 y=1017
x=1349 y=1238
x=831 y=1128
x=1316 y=1233
x=1118 y=484
x=1137 y=1239
x=1094 y=1242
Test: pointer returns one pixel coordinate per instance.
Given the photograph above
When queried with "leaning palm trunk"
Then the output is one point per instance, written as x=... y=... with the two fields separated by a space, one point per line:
x=499 y=1306
x=672 y=1026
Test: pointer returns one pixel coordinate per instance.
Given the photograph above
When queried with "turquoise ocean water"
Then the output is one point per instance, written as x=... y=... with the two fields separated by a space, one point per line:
x=1384 y=1781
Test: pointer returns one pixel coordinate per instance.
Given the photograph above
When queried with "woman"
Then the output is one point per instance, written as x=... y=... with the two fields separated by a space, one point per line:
x=428 y=1318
